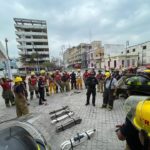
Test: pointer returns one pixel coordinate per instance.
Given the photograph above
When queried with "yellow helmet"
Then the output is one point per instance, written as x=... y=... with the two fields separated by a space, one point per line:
x=142 y=116
x=147 y=71
x=107 y=74
x=42 y=71
x=32 y=73
x=18 y=79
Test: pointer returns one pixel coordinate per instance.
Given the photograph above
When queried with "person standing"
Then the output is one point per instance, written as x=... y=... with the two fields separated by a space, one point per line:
x=79 y=80
x=52 y=84
x=32 y=82
x=100 y=77
x=73 y=80
x=7 y=93
x=91 y=83
x=109 y=91
x=85 y=76
x=65 y=82
x=41 y=88
x=57 y=78
x=20 y=99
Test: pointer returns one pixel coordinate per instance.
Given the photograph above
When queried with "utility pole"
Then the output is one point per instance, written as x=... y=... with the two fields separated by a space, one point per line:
x=8 y=61
x=127 y=44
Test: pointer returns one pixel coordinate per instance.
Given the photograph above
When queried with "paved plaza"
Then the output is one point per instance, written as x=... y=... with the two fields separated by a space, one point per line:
x=102 y=120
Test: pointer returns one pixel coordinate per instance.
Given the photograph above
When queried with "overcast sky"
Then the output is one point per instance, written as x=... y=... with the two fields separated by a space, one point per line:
x=71 y=22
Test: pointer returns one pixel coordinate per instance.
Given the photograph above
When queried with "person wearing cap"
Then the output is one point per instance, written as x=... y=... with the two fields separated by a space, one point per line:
x=91 y=83
x=100 y=77
x=73 y=80
x=7 y=93
x=110 y=85
x=79 y=80
x=65 y=81
x=85 y=76
x=20 y=99
x=32 y=82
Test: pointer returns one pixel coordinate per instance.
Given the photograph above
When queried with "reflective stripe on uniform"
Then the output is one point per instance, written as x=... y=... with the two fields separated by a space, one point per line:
x=38 y=147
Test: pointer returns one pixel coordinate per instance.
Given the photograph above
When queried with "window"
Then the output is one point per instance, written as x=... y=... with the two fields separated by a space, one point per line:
x=115 y=64
x=28 y=43
x=128 y=62
x=122 y=62
x=91 y=55
x=133 y=62
x=127 y=51
x=144 y=47
x=133 y=50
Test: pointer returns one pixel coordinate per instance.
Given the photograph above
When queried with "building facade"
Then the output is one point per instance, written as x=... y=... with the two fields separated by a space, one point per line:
x=96 y=55
x=76 y=57
x=118 y=61
x=85 y=55
x=32 y=41
x=143 y=52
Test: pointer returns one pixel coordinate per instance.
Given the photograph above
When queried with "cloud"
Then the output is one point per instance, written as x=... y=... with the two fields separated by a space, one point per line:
x=71 y=22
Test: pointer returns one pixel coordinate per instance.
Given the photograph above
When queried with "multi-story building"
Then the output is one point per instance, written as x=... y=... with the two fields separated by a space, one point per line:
x=118 y=61
x=77 y=56
x=132 y=56
x=32 y=41
x=95 y=55
x=85 y=55
x=143 y=52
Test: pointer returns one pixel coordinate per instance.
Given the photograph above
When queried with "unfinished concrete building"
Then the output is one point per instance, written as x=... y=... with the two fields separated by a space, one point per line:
x=32 y=41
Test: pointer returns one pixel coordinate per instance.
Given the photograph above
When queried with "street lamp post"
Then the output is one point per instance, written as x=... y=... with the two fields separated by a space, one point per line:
x=8 y=61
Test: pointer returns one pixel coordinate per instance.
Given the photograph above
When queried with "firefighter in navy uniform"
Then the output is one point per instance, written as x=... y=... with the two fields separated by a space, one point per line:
x=41 y=88
x=73 y=80
x=91 y=83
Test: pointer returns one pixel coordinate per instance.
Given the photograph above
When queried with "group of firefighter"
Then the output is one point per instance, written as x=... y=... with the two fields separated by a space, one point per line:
x=48 y=83
x=135 y=130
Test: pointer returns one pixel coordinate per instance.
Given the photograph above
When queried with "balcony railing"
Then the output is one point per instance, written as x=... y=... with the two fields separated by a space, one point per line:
x=31 y=40
x=32 y=47
x=30 y=33
x=30 y=26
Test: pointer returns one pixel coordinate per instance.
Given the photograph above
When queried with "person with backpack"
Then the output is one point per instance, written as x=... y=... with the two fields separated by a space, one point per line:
x=109 y=91
x=91 y=83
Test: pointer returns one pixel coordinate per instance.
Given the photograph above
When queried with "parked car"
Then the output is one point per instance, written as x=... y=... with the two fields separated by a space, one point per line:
x=133 y=85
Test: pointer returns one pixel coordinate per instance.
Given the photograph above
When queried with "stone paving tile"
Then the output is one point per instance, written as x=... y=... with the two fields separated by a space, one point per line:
x=102 y=120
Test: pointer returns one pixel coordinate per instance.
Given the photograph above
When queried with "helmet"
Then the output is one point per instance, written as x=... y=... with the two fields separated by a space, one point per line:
x=42 y=71
x=142 y=120
x=131 y=103
x=32 y=73
x=18 y=79
x=147 y=71
x=107 y=74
